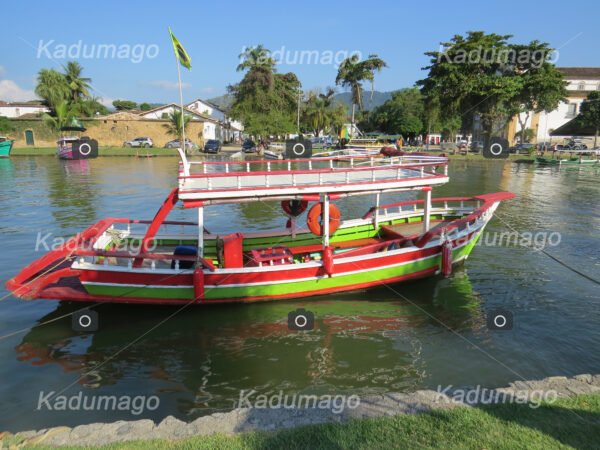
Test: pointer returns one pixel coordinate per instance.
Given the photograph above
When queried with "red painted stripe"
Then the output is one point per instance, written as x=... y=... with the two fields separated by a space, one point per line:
x=70 y=294
x=284 y=274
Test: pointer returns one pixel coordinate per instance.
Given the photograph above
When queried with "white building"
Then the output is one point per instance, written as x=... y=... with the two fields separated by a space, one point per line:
x=582 y=81
x=231 y=130
x=212 y=128
x=17 y=109
x=217 y=125
x=206 y=108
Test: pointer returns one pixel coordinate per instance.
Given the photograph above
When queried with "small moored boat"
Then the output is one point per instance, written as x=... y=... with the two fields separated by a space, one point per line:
x=5 y=147
x=126 y=260
x=573 y=157
x=73 y=147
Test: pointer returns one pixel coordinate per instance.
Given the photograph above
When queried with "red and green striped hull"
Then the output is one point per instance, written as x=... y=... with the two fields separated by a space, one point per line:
x=276 y=282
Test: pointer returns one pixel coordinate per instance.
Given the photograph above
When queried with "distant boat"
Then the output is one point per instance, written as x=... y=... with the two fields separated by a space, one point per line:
x=573 y=157
x=5 y=147
x=77 y=148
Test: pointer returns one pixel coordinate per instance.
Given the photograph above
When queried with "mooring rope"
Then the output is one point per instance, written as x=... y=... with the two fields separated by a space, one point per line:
x=549 y=255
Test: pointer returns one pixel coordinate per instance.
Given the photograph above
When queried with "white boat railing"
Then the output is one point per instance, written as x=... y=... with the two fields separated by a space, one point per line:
x=337 y=174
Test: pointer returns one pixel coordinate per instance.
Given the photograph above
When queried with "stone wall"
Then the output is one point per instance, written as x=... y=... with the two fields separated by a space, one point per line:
x=108 y=131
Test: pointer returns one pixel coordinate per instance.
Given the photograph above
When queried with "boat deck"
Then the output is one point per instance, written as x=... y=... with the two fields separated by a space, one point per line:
x=252 y=179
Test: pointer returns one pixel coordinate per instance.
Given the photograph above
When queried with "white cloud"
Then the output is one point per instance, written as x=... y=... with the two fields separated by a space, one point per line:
x=106 y=101
x=11 y=92
x=165 y=84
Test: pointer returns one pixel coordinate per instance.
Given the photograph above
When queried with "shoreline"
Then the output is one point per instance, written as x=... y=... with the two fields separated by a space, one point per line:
x=165 y=152
x=244 y=420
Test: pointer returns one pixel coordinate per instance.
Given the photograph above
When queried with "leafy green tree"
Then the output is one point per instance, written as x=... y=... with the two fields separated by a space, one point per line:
x=264 y=100
x=5 y=125
x=484 y=74
x=89 y=107
x=353 y=72
x=124 y=105
x=590 y=113
x=63 y=114
x=525 y=135
x=145 y=106
x=403 y=114
x=542 y=87
x=52 y=87
x=79 y=86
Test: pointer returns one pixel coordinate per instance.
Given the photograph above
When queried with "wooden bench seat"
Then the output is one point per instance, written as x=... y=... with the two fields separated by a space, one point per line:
x=337 y=245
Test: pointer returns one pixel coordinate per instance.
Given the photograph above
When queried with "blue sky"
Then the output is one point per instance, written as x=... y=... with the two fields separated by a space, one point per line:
x=214 y=33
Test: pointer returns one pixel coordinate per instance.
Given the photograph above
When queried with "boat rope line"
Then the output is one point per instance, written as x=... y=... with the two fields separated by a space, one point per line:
x=131 y=343
x=486 y=353
x=134 y=289
x=549 y=255
x=4 y=297
x=477 y=347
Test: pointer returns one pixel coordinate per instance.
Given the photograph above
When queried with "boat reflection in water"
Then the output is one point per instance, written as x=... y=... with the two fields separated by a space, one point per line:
x=200 y=360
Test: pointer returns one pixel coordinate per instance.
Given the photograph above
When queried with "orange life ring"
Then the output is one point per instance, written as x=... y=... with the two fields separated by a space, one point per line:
x=315 y=218
x=294 y=208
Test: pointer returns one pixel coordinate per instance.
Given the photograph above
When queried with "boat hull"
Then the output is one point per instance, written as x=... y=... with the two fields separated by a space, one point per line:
x=5 y=148
x=281 y=284
x=88 y=269
x=566 y=162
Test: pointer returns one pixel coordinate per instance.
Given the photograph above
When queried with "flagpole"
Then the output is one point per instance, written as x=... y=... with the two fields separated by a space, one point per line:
x=181 y=104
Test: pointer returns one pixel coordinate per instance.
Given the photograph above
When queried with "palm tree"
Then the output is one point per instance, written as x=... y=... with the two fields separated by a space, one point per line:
x=321 y=112
x=257 y=57
x=52 y=87
x=78 y=85
x=352 y=72
x=176 y=125
x=63 y=115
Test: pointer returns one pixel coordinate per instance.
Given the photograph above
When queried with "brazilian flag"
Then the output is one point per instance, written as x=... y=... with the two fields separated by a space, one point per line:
x=180 y=52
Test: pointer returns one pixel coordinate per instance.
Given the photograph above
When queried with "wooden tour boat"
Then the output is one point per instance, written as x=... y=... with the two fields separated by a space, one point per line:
x=160 y=261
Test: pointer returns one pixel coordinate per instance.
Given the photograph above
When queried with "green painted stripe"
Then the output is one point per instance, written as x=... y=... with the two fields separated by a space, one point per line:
x=292 y=288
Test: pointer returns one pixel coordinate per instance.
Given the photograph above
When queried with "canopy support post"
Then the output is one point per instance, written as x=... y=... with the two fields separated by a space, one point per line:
x=325 y=220
x=427 y=209
x=376 y=215
x=201 y=232
x=293 y=227
x=153 y=228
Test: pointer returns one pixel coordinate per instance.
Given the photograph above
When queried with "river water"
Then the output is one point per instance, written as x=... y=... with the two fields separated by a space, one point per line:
x=401 y=338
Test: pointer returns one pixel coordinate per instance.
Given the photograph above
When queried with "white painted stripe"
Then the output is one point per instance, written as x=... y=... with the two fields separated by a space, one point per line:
x=263 y=283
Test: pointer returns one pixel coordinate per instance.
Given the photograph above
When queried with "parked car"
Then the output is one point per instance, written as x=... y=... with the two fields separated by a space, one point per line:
x=462 y=144
x=212 y=146
x=522 y=148
x=545 y=146
x=175 y=144
x=139 y=142
x=572 y=144
x=248 y=146
x=476 y=146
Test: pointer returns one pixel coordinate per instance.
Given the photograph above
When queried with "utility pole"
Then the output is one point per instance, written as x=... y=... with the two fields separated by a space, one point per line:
x=298 y=115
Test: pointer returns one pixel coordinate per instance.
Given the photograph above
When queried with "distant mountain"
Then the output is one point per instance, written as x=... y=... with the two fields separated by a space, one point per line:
x=223 y=101
x=379 y=98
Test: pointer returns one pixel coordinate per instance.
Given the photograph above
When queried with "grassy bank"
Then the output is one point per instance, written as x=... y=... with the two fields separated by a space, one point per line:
x=567 y=423
x=102 y=151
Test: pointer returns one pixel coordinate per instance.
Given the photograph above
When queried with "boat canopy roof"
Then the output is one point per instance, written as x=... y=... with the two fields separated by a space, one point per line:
x=205 y=182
